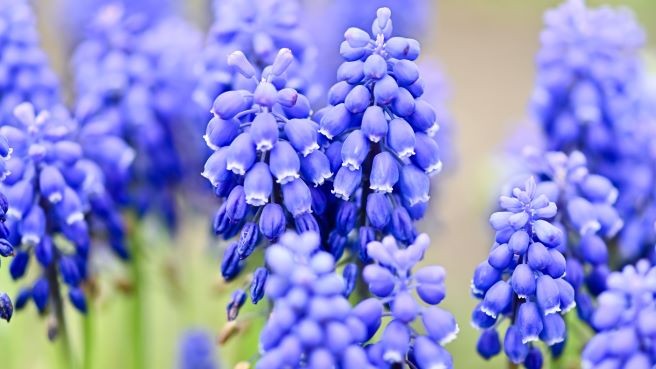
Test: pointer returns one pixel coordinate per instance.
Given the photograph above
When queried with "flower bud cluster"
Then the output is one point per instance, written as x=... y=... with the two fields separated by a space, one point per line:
x=52 y=188
x=523 y=279
x=587 y=217
x=625 y=320
x=266 y=165
x=140 y=110
x=382 y=146
x=393 y=282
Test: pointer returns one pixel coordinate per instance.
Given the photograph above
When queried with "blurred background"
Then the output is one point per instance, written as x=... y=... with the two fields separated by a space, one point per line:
x=486 y=50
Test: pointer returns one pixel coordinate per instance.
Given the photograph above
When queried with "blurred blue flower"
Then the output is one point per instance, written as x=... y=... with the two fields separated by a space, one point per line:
x=25 y=75
x=382 y=135
x=74 y=15
x=145 y=100
x=312 y=324
x=523 y=278
x=587 y=73
x=590 y=97
x=258 y=28
x=197 y=351
x=266 y=164
x=394 y=282
x=438 y=92
x=624 y=320
x=6 y=248
x=53 y=190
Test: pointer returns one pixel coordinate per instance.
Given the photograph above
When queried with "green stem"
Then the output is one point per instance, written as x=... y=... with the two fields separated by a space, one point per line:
x=512 y=365
x=64 y=350
x=87 y=362
x=138 y=309
x=64 y=355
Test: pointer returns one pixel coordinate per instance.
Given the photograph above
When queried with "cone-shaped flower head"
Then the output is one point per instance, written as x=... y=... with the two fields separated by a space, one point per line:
x=586 y=215
x=383 y=148
x=266 y=164
x=523 y=277
x=53 y=191
x=588 y=68
x=143 y=98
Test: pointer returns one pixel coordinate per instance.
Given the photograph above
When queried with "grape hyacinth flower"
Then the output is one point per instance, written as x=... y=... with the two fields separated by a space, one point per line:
x=624 y=320
x=312 y=324
x=197 y=351
x=6 y=248
x=25 y=75
x=75 y=15
x=266 y=164
x=382 y=132
x=587 y=217
x=51 y=188
x=588 y=68
x=633 y=172
x=411 y=18
x=258 y=28
x=591 y=100
x=392 y=280
x=523 y=279
x=144 y=100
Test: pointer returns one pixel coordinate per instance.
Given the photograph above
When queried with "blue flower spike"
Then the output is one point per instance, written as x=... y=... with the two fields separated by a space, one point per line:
x=269 y=167
x=382 y=131
x=523 y=279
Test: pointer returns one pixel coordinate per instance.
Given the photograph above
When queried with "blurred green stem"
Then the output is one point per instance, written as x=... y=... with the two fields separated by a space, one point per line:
x=64 y=355
x=88 y=327
x=64 y=351
x=512 y=365
x=139 y=356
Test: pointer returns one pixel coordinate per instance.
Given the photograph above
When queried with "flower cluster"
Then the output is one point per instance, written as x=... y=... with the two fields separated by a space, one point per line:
x=523 y=279
x=593 y=100
x=25 y=75
x=6 y=249
x=312 y=324
x=142 y=100
x=51 y=187
x=624 y=320
x=633 y=171
x=587 y=72
x=391 y=279
x=75 y=15
x=588 y=218
x=411 y=18
x=197 y=351
x=381 y=131
x=266 y=161
x=258 y=29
